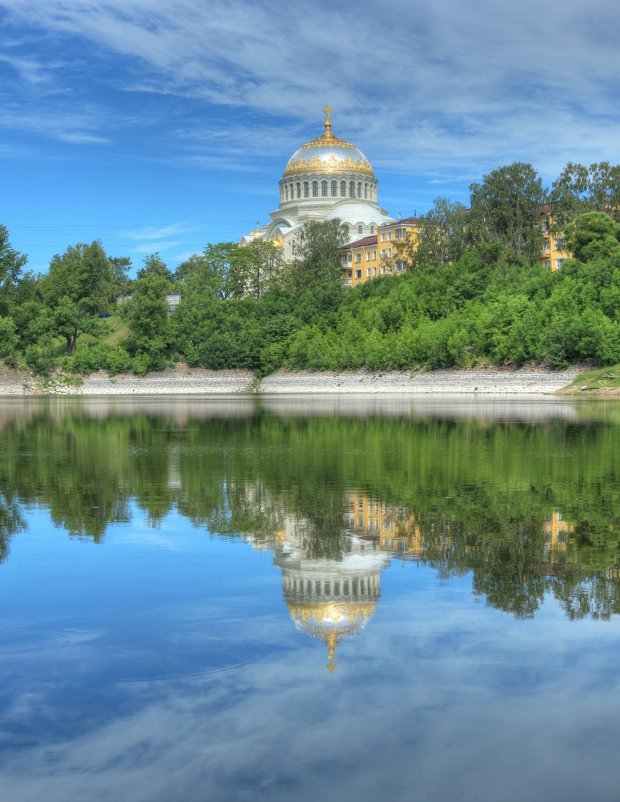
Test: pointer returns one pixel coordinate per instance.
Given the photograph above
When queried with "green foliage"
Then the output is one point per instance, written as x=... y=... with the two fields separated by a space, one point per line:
x=11 y=263
x=79 y=286
x=593 y=235
x=442 y=236
x=581 y=189
x=148 y=318
x=317 y=254
x=505 y=208
x=100 y=356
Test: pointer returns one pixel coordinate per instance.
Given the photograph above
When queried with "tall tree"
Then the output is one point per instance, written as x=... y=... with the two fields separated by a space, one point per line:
x=442 y=235
x=580 y=189
x=253 y=269
x=149 y=325
x=11 y=263
x=317 y=253
x=79 y=286
x=155 y=265
x=506 y=208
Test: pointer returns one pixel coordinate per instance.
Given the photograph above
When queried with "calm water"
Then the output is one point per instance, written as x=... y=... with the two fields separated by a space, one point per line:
x=354 y=600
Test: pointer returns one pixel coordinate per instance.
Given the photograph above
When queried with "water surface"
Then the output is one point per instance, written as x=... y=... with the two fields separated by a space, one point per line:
x=310 y=600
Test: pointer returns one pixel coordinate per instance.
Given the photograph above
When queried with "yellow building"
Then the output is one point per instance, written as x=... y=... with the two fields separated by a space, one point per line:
x=359 y=261
x=381 y=254
x=397 y=241
x=553 y=251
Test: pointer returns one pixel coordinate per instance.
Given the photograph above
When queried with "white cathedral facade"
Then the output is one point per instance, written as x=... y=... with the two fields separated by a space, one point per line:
x=324 y=179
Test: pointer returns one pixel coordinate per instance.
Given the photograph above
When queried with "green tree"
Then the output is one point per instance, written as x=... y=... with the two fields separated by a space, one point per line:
x=580 y=189
x=148 y=317
x=505 y=209
x=442 y=236
x=591 y=235
x=79 y=286
x=208 y=272
x=155 y=265
x=11 y=263
x=253 y=269
x=317 y=253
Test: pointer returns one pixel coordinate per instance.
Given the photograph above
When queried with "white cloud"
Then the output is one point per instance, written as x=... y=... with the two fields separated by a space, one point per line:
x=435 y=89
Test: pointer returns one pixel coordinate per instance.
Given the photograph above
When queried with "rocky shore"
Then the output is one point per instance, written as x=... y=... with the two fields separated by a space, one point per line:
x=181 y=380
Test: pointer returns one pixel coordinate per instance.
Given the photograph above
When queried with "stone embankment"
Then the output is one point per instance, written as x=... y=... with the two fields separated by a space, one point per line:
x=181 y=380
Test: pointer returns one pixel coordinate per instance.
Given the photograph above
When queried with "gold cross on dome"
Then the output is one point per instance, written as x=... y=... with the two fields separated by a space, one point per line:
x=328 y=123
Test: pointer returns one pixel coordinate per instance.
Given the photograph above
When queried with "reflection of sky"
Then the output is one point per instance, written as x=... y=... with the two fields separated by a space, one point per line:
x=162 y=665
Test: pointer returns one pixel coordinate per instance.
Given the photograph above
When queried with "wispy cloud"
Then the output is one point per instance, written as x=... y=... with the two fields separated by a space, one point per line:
x=457 y=86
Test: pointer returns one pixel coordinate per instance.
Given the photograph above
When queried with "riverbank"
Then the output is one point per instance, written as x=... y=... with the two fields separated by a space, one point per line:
x=181 y=380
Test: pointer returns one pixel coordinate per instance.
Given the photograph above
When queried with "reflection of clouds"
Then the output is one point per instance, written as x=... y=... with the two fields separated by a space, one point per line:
x=438 y=704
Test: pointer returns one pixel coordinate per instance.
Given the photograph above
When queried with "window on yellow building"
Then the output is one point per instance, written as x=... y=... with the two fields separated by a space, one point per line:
x=560 y=244
x=358 y=257
x=546 y=262
x=358 y=274
x=547 y=245
x=559 y=263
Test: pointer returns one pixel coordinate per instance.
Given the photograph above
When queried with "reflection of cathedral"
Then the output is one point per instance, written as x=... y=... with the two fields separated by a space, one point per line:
x=334 y=598
x=324 y=179
x=327 y=598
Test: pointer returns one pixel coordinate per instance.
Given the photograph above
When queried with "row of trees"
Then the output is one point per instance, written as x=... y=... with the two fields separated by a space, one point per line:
x=244 y=307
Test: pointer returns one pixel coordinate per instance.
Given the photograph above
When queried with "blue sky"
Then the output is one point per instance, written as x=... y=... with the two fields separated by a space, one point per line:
x=161 y=126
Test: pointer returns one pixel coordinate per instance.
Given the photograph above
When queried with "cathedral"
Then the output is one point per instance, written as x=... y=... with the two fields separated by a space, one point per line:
x=324 y=179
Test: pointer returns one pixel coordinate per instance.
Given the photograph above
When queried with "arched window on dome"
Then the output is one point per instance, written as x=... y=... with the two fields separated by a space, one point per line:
x=298 y=189
x=360 y=229
x=343 y=189
x=315 y=189
x=352 y=188
x=366 y=190
x=306 y=189
x=359 y=189
x=323 y=189
x=372 y=228
x=334 y=189
x=347 y=231
x=291 y=192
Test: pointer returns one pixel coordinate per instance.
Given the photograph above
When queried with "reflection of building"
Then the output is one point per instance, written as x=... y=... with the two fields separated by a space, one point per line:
x=395 y=528
x=331 y=599
x=557 y=531
x=324 y=179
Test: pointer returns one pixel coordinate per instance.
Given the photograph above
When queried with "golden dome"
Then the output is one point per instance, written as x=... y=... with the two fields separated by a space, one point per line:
x=328 y=155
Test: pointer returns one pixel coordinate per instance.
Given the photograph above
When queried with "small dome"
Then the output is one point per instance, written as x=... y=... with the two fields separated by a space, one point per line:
x=328 y=155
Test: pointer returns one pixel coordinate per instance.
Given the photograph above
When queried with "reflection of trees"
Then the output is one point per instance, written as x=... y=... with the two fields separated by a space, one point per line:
x=479 y=491
x=11 y=521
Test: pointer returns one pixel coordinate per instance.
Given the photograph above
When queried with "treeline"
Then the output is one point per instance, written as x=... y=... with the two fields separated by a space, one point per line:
x=475 y=292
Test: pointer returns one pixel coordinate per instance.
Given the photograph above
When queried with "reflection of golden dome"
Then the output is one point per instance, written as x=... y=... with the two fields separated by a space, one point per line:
x=328 y=154
x=332 y=620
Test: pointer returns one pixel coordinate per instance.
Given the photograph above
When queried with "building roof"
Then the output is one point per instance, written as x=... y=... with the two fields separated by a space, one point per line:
x=406 y=221
x=361 y=243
